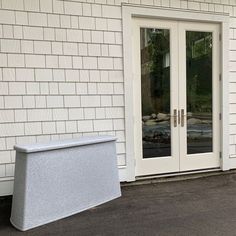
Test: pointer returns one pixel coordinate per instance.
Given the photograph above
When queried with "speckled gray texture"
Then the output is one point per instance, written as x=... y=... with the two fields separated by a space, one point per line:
x=55 y=183
x=59 y=144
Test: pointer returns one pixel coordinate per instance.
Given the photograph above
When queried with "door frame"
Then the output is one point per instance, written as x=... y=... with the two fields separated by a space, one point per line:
x=130 y=11
x=179 y=160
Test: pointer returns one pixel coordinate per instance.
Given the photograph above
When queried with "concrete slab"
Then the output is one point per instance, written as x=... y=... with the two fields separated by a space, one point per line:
x=204 y=207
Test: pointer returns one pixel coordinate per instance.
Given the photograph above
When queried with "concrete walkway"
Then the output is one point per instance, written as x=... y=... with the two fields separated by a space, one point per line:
x=203 y=207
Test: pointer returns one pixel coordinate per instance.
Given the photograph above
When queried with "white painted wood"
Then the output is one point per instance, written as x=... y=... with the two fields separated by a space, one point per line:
x=38 y=116
x=6 y=186
x=179 y=161
x=203 y=160
x=224 y=103
x=232 y=162
x=173 y=14
x=129 y=95
x=165 y=164
x=128 y=12
x=122 y=173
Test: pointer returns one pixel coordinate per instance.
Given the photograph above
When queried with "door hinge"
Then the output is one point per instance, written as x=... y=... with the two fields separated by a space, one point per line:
x=220 y=77
x=220 y=36
x=220 y=116
x=220 y=155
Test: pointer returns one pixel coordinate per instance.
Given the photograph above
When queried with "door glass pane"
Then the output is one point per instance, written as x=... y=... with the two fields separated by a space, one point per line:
x=155 y=86
x=199 y=91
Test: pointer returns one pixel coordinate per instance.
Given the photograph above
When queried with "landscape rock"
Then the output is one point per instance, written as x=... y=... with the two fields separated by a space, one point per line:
x=193 y=121
x=163 y=122
x=145 y=118
x=206 y=121
x=162 y=116
x=150 y=122
x=153 y=116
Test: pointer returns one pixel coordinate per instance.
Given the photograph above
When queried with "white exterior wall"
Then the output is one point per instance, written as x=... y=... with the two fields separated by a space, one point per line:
x=61 y=72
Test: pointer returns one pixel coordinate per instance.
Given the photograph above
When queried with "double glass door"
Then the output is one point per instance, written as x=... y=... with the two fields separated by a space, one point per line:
x=176 y=73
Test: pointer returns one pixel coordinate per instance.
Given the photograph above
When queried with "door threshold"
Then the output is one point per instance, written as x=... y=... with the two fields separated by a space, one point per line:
x=177 y=176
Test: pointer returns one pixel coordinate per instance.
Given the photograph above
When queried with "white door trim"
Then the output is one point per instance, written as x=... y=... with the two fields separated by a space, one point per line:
x=129 y=11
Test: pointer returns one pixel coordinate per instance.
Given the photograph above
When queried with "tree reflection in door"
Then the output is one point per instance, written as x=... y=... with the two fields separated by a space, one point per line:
x=155 y=84
x=199 y=91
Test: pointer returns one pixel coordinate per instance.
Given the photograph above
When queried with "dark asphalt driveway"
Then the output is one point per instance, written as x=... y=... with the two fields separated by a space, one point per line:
x=199 y=207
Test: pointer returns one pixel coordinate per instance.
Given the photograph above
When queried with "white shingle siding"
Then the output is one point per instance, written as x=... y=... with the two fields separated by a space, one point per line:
x=61 y=72
x=232 y=87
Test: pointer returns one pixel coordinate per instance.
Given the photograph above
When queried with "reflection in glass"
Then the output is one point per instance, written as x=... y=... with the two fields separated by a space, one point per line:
x=199 y=91
x=155 y=82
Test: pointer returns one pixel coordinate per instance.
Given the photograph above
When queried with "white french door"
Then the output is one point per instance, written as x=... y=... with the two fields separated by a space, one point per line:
x=176 y=73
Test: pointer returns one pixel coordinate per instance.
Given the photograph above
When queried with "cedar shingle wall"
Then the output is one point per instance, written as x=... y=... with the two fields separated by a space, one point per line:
x=61 y=72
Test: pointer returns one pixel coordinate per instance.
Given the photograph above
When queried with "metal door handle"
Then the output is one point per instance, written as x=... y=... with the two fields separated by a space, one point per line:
x=182 y=117
x=178 y=116
x=175 y=117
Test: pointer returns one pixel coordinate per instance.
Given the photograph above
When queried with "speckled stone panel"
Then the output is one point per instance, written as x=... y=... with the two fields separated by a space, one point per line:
x=55 y=183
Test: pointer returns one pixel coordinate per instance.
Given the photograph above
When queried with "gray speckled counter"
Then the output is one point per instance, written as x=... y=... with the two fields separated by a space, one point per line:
x=58 y=179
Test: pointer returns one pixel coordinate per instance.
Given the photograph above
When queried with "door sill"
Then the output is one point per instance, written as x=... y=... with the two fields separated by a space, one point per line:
x=177 y=176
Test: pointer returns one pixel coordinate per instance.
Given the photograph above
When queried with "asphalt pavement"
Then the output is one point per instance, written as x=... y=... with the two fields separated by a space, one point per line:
x=196 y=207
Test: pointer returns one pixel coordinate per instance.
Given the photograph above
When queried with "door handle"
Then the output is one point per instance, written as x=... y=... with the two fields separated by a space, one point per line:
x=182 y=117
x=178 y=117
x=175 y=117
